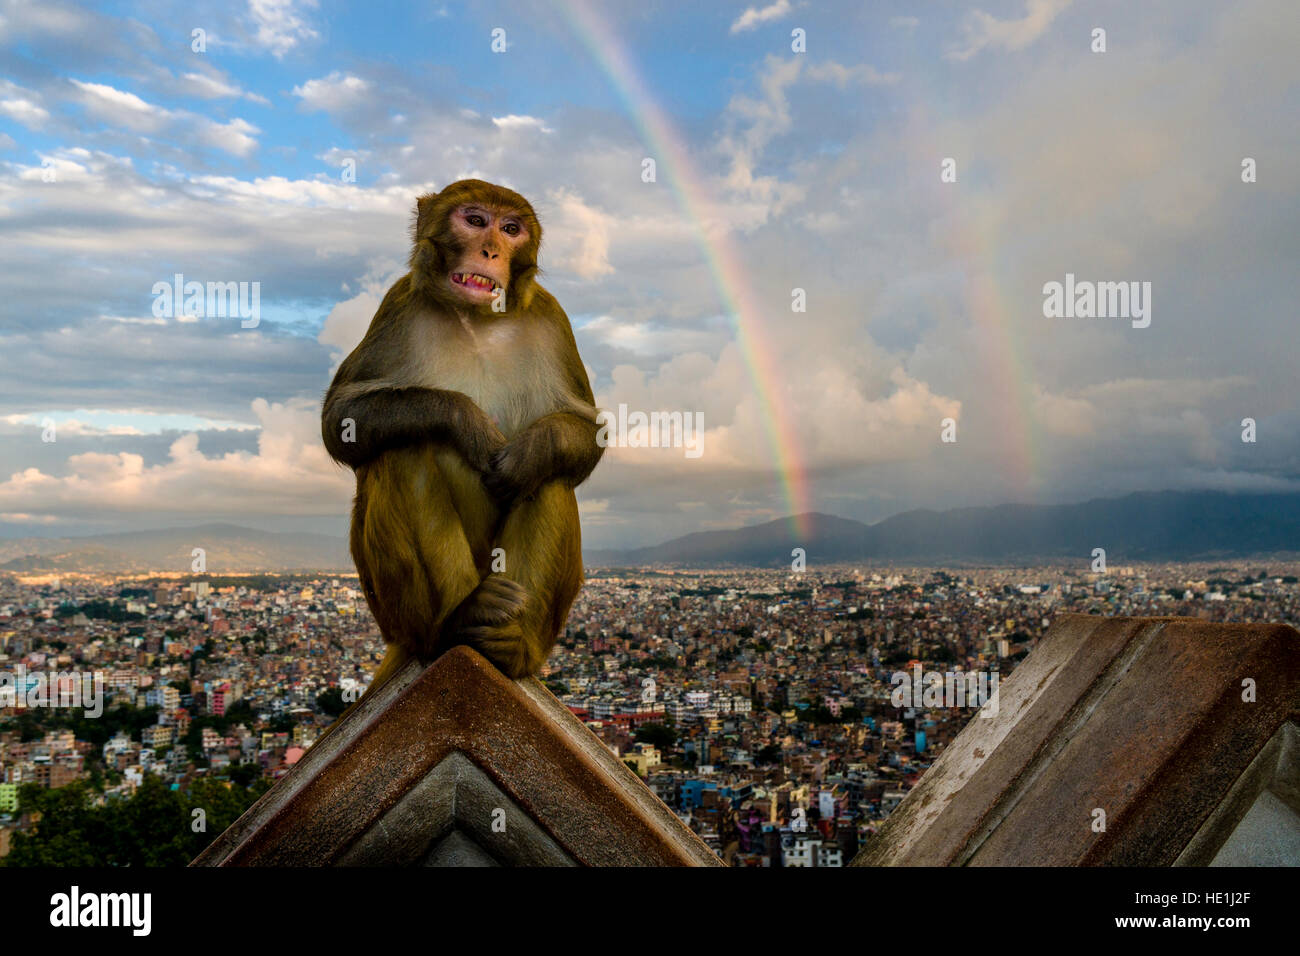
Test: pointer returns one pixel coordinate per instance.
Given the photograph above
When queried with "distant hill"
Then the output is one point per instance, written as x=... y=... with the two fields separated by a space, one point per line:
x=1153 y=526
x=229 y=549
x=1148 y=526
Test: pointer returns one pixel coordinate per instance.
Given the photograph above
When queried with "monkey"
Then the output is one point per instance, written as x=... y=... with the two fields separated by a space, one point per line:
x=467 y=418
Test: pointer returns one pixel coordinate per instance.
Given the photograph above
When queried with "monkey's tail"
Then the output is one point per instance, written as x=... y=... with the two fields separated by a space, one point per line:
x=393 y=661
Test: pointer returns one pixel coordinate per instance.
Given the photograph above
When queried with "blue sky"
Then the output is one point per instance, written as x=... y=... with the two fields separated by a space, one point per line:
x=126 y=157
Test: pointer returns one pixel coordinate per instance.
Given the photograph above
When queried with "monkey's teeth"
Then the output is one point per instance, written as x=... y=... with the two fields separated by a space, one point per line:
x=474 y=279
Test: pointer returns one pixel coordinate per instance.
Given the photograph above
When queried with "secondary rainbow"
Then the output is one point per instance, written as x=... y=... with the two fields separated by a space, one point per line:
x=1008 y=392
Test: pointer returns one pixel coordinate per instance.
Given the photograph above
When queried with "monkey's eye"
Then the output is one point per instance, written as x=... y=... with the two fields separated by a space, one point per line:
x=476 y=220
x=510 y=229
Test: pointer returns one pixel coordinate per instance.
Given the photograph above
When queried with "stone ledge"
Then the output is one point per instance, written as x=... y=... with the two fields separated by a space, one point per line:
x=1140 y=717
x=461 y=736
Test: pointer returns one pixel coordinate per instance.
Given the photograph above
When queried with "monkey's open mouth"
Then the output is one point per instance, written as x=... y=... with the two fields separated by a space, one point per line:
x=472 y=280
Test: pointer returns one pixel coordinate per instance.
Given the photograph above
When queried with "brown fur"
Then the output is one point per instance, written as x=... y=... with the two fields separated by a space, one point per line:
x=472 y=428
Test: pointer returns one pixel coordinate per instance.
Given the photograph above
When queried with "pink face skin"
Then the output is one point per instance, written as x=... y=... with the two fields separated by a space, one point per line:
x=489 y=237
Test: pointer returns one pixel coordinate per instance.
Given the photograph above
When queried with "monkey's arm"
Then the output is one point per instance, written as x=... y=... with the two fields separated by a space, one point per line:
x=387 y=416
x=561 y=445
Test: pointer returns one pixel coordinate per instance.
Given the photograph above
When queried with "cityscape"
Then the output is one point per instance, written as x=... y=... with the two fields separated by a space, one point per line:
x=782 y=715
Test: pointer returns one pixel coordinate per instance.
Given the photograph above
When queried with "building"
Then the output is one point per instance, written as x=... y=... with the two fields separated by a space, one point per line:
x=220 y=698
x=156 y=737
x=644 y=758
x=165 y=697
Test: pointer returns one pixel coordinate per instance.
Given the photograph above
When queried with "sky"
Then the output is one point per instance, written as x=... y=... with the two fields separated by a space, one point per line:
x=797 y=146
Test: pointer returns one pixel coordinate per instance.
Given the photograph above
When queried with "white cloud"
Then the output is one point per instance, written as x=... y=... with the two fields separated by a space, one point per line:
x=25 y=112
x=238 y=137
x=120 y=107
x=125 y=109
x=74 y=165
x=215 y=86
x=842 y=419
x=22 y=105
x=513 y=122
x=290 y=474
x=348 y=320
x=650 y=339
x=581 y=243
x=281 y=24
x=19 y=18
x=208 y=87
x=755 y=123
x=754 y=16
x=333 y=93
x=65 y=427
x=982 y=30
x=842 y=76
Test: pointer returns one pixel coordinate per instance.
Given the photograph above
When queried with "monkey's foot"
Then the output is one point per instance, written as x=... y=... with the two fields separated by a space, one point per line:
x=488 y=620
x=496 y=602
x=508 y=648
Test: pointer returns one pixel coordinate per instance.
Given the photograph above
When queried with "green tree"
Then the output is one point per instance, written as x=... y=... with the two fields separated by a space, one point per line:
x=244 y=774
x=331 y=702
x=661 y=736
x=153 y=827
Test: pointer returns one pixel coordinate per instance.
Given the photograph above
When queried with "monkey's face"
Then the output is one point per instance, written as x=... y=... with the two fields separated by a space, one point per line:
x=476 y=248
x=486 y=239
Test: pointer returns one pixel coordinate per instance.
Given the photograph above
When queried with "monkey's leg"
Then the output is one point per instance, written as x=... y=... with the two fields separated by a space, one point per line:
x=421 y=528
x=542 y=545
x=420 y=534
x=413 y=555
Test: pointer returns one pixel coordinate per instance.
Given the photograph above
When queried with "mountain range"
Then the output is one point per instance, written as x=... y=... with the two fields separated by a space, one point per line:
x=1147 y=526
x=227 y=549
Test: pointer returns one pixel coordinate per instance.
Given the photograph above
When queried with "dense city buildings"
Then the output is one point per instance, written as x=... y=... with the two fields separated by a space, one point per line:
x=782 y=715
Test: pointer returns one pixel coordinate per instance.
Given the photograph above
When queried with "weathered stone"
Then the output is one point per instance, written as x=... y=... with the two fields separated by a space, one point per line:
x=427 y=769
x=1141 y=718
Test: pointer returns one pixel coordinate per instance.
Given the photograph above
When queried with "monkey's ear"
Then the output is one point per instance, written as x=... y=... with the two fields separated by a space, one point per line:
x=423 y=210
x=525 y=285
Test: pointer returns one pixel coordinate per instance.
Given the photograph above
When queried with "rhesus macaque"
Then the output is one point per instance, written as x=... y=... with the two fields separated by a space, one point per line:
x=468 y=419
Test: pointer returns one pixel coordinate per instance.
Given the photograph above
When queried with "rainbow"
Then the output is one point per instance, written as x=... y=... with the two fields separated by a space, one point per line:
x=1008 y=391
x=1009 y=384
x=728 y=272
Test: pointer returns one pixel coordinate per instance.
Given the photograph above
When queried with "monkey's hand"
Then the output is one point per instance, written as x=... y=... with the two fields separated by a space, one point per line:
x=489 y=620
x=557 y=446
x=383 y=418
x=516 y=472
x=479 y=440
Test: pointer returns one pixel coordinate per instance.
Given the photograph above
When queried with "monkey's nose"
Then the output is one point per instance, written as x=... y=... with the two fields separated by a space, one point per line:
x=487 y=255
